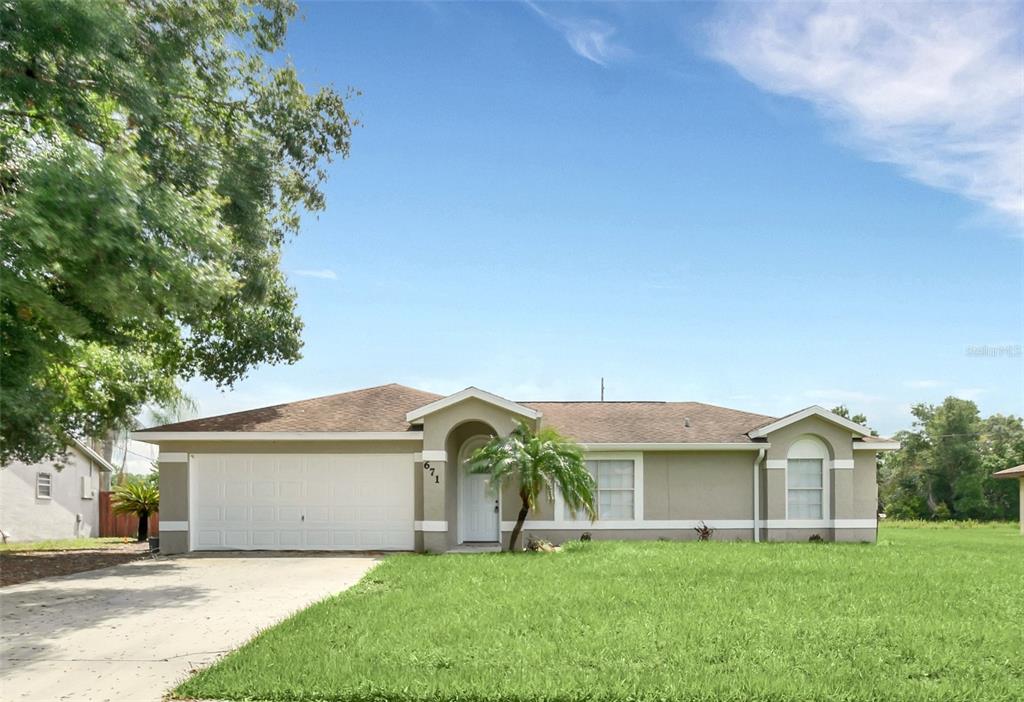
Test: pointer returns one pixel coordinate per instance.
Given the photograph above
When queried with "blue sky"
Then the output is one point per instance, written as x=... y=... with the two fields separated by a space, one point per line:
x=759 y=206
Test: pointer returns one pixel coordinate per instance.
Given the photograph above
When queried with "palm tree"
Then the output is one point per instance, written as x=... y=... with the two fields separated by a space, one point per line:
x=535 y=461
x=138 y=497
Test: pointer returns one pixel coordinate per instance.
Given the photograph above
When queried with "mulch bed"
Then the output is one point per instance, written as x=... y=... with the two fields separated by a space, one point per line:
x=22 y=566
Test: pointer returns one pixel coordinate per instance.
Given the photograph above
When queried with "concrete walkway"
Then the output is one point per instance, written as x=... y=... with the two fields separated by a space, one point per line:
x=132 y=632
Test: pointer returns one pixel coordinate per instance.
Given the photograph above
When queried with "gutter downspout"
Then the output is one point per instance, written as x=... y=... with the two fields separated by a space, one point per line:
x=757 y=495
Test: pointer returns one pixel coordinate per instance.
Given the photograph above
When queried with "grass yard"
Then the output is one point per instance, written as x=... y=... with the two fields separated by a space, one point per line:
x=926 y=614
x=65 y=544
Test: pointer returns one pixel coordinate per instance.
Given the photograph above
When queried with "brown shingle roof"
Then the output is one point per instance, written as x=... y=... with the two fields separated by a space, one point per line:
x=649 y=422
x=383 y=408
x=380 y=408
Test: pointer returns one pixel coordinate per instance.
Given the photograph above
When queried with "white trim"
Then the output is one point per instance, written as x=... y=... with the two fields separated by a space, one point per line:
x=90 y=453
x=628 y=525
x=191 y=504
x=653 y=524
x=638 y=494
x=775 y=464
x=49 y=485
x=813 y=410
x=420 y=412
x=819 y=523
x=842 y=464
x=744 y=446
x=434 y=456
x=876 y=445
x=430 y=526
x=172 y=526
x=152 y=436
x=172 y=457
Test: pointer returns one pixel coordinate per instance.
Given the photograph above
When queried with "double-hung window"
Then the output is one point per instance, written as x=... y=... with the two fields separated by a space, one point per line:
x=44 y=485
x=805 y=488
x=615 y=497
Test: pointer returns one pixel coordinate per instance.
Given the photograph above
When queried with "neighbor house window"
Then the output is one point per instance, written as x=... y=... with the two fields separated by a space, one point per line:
x=44 y=485
x=616 y=496
x=806 y=489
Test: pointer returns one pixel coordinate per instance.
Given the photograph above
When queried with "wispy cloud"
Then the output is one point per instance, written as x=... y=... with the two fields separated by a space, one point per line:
x=323 y=273
x=923 y=384
x=593 y=39
x=934 y=88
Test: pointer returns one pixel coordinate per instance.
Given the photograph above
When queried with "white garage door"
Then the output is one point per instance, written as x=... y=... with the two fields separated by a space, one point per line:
x=301 y=502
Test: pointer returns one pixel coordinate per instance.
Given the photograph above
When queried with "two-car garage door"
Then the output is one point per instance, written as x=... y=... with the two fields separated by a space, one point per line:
x=301 y=502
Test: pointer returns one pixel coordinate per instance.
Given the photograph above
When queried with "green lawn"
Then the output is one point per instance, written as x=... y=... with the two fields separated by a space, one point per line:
x=926 y=614
x=64 y=544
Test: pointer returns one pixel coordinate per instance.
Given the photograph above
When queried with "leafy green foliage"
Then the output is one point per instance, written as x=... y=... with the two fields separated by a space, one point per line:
x=536 y=462
x=138 y=497
x=154 y=156
x=909 y=619
x=944 y=467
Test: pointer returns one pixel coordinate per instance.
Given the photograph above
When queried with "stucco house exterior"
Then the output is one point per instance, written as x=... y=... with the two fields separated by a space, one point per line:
x=40 y=501
x=383 y=469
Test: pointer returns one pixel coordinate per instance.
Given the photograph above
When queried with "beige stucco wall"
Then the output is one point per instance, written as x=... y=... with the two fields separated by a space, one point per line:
x=699 y=485
x=865 y=486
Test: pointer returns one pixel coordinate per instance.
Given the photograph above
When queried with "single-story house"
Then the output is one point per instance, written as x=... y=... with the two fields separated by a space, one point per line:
x=383 y=468
x=48 y=500
x=1015 y=473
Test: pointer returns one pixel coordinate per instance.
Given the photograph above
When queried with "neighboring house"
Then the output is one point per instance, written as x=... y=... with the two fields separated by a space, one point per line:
x=1015 y=473
x=46 y=501
x=383 y=468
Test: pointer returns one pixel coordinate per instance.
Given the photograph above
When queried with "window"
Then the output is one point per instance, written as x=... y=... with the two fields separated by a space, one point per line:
x=805 y=488
x=615 y=490
x=44 y=484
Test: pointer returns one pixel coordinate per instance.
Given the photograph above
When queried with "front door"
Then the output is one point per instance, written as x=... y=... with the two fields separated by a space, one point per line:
x=478 y=503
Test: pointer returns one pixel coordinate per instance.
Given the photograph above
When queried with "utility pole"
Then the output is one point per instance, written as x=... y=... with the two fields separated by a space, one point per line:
x=602 y=389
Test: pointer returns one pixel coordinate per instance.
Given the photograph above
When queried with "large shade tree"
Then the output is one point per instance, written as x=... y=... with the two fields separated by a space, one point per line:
x=536 y=463
x=154 y=156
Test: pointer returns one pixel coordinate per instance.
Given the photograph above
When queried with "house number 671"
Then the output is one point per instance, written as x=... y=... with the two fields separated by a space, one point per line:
x=426 y=466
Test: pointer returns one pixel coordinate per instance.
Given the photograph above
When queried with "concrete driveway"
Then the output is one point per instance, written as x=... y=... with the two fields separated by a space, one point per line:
x=133 y=631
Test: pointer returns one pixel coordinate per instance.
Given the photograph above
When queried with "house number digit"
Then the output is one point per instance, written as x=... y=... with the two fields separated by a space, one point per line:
x=426 y=465
x=437 y=479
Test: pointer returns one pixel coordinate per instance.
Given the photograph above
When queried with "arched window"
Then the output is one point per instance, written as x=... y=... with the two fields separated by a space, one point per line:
x=806 y=479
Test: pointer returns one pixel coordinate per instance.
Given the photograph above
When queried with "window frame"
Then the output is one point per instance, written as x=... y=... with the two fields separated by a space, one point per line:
x=49 y=485
x=810 y=447
x=637 y=457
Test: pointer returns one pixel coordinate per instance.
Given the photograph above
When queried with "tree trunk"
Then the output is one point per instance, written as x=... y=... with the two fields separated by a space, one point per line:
x=519 y=525
x=143 y=526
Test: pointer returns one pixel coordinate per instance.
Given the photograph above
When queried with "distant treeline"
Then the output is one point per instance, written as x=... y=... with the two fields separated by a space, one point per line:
x=944 y=467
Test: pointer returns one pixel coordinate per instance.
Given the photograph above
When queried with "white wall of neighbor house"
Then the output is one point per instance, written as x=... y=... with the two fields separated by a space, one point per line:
x=71 y=510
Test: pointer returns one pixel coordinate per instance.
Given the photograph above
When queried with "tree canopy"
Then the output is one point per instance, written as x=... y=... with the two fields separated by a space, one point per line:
x=945 y=464
x=154 y=156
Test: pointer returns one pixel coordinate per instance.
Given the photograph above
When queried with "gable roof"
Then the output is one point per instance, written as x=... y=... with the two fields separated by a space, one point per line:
x=649 y=422
x=103 y=464
x=377 y=409
x=395 y=411
x=419 y=413
x=1015 y=472
x=813 y=410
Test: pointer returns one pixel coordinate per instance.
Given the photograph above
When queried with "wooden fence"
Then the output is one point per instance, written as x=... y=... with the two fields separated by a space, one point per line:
x=122 y=524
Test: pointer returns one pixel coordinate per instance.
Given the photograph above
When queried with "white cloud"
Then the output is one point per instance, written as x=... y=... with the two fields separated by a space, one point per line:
x=934 y=88
x=323 y=273
x=923 y=384
x=590 y=38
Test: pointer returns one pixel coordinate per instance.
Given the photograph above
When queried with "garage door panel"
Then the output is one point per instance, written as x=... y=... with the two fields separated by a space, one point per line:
x=314 y=502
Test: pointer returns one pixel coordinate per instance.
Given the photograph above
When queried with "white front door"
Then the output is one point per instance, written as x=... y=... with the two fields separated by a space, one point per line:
x=478 y=504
